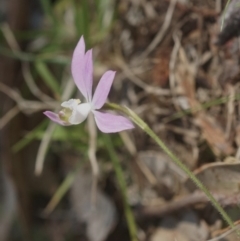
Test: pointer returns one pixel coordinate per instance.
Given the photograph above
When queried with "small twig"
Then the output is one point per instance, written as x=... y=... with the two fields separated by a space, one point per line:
x=158 y=38
x=184 y=202
x=137 y=81
x=11 y=93
x=9 y=116
x=26 y=106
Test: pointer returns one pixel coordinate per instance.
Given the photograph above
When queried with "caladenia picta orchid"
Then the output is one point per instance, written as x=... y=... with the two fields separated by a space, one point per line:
x=74 y=112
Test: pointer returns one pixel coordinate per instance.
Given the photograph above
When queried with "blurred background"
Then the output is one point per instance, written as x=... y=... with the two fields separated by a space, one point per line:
x=177 y=64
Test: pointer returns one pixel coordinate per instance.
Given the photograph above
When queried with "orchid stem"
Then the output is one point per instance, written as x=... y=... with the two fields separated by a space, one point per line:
x=123 y=187
x=138 y=121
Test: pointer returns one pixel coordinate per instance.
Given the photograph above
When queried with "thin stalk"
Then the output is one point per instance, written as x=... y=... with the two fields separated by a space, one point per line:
x=138 y=121
x=123 y=187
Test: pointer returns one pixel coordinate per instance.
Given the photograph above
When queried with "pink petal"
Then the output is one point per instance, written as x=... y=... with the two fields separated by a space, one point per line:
x=55 y=118
x=78 y=64
x=88 y=74
x=110 y=123
x=102 y=90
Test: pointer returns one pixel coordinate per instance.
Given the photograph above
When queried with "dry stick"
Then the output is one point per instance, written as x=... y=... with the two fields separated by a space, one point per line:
x=137 y=81
x=158 y=38
x=9 y=116
x=11 y=93
x=139 y=122
x=25 y=106
x=184 y=202
x=92 y=130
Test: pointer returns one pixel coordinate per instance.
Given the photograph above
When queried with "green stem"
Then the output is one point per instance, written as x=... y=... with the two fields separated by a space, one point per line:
x=123 y=187
x=138 y=121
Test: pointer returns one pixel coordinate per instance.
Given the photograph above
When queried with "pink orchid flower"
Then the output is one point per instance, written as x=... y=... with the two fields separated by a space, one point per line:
x=74 y=112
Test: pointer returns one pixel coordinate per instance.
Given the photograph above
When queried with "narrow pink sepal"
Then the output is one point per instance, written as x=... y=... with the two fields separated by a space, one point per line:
x=110 y=123
x=102 y=90
x=88 y=74
x=55 y=118
x=78 y=65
